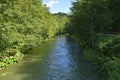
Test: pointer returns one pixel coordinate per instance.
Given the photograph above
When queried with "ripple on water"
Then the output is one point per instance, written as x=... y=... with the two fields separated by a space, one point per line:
x=59 y=59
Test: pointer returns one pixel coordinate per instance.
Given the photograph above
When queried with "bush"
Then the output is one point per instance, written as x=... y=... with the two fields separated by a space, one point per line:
x=11 y=59
x=111 y=68
x=110 y=48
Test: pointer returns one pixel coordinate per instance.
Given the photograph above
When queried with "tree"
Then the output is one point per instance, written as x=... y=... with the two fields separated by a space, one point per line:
x=88 y=17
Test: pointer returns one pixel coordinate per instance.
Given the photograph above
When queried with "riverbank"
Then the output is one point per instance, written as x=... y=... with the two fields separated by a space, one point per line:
x=109 y=67
x=14 y=55
x=106 y=55
x=58 y=59
x=10 y=59
x=21 y=28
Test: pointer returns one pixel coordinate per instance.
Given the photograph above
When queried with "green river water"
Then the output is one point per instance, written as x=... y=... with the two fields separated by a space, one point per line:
x=58 y=59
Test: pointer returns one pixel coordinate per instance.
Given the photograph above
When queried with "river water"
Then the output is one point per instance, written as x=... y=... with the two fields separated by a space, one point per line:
x=58 y=59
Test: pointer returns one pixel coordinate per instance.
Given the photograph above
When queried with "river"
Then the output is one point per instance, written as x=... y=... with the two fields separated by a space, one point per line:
x=58 y=59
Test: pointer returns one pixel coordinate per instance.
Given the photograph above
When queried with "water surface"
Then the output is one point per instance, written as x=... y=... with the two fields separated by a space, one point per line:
x=58 y=59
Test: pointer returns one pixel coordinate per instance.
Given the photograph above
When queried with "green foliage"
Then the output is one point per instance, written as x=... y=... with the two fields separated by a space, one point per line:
x=114 y=14
x=86 y=19
x=107 y=65
x=25 y=23
x=106 y=57
x=111 y=68
x=89 y=17
x=13 y=56
x=89 y=21
x=110 y=48
x=62 y=20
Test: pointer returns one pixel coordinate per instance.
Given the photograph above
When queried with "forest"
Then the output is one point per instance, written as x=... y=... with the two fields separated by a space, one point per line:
x=24 y=24
x=93 y=24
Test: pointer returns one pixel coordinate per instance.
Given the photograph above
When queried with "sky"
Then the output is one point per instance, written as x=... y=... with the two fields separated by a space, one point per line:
x=58 y=5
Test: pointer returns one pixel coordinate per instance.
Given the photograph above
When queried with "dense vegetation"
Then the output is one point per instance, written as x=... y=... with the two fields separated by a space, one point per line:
x=23 y=24
x=91 y=25
x=27 y=23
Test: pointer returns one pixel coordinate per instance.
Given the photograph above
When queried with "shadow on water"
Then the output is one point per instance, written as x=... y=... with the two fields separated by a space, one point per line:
x=59 y=59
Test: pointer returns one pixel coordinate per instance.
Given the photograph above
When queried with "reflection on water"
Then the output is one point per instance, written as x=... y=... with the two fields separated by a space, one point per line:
x=59 y=59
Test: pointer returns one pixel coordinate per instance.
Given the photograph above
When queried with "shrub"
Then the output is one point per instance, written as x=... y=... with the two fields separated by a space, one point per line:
x=111 y=68
x=110 y=48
